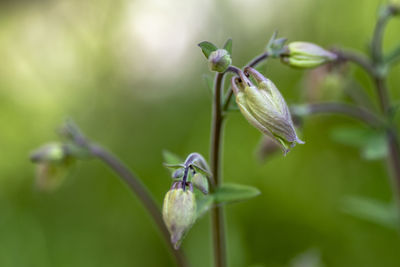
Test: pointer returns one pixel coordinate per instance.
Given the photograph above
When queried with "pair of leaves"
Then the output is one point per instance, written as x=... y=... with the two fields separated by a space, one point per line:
x=207 y=48
x=371 y=142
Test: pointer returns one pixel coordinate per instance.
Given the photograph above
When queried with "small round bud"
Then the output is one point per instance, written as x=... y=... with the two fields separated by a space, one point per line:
x=219 y=60
x=306 y=55
x=179 y=211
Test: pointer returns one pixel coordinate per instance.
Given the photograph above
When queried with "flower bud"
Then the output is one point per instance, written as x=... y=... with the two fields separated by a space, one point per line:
x=219 y=60
x=179 y=211
x=53 y=166
x=52 y=152
x=306 y=55
x=264 y=107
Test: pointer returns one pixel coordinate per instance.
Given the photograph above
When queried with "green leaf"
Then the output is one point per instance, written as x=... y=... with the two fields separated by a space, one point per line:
x=371 y=142
x=207 y=48
x=228 y=46
x=172 y=162
x=393 y=56
x=234 y=192
x=171 y=158
x=209 y=83
x=371 y=210
x=204 y=204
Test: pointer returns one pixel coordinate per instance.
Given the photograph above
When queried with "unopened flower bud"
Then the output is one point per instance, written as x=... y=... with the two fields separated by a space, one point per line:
x=53 y=165
x=306 y=55
x=264 y=107
x=179 y=211
x=50 y=152
x=219 y=60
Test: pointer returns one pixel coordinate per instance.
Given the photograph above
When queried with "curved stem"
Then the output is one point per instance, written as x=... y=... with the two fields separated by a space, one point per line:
x=257 y=60
x=217 y=213
x=357 y=58
x=356 y=112
x=254 y=62
x=384 y=99
x=141 y=192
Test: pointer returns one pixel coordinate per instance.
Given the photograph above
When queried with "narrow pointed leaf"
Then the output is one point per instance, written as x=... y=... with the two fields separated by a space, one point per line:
x=209 y=83
x=228 y=46
x=207 y=48
x=171 y=158
x=228 y=193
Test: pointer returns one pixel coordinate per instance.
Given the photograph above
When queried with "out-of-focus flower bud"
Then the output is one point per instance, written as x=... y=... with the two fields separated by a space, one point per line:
x=264 y=107
x=219 y=60
x=306 y=55
x=179 y=211
x=53 y=165
x=53 y=152
x=200 y=182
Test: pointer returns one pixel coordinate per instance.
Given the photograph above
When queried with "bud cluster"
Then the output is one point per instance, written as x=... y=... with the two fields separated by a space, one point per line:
x=179 y=206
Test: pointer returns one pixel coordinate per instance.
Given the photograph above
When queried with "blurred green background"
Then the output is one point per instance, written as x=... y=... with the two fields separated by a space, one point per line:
x=130 y=74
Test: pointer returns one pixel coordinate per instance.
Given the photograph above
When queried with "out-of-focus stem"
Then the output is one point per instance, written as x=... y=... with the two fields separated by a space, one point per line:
x=142 y=193
x=356 y=112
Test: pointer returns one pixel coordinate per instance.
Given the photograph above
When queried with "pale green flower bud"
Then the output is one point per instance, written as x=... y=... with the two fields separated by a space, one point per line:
x=53 y=166
x=179 y=211
x=306 y=55
x=265 y=108
x=50 y=152
x=219 y=60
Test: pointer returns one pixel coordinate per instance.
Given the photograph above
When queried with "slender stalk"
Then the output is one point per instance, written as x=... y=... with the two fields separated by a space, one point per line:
x=384 y=99
x=217 y=213
x=356 y=112
x=257 y=60
x=141 y=192
x=359 y=59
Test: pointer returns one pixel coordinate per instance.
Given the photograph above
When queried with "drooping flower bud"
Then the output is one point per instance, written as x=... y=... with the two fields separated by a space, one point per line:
x=179 y=211
x=306 y=55
x=53 y=166
x=219 y=60
x=264 y=107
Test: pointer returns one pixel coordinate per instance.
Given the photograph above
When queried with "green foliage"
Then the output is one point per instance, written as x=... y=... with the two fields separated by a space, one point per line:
x=229 y=192
x=371 y=142
x=207 y=48
x=228 y=46
x=371 y=210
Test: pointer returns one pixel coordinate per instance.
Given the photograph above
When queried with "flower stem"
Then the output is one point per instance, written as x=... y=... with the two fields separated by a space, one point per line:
x=217 y=213
x=71 y=131
x=142 y=193
x=353 y=111
x=392 y=138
